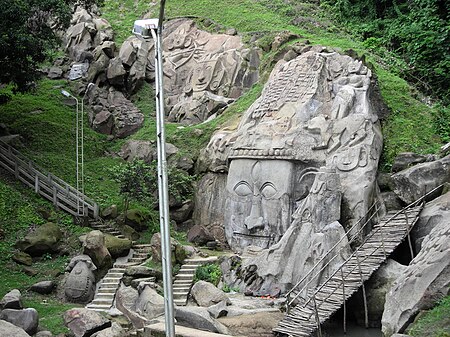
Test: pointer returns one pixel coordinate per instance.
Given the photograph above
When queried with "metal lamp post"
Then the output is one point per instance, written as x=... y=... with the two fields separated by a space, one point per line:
x=78 y=150
x=146 y=29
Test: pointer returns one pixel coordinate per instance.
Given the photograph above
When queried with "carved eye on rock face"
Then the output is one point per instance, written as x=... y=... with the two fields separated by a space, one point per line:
x=268 y=190
x=243 y=189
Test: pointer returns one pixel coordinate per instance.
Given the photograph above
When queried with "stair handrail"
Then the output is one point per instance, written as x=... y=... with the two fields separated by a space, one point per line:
x=32 y=168
x=345 y=236
x=370 y=235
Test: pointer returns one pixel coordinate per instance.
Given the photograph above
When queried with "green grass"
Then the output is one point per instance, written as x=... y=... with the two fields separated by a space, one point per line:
x=435 y=323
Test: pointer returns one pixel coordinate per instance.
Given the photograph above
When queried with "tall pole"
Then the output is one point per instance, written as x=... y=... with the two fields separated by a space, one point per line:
x=163 y=179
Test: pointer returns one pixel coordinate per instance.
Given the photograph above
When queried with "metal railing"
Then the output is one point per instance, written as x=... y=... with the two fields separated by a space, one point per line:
x=61 y=194
x=308 y=278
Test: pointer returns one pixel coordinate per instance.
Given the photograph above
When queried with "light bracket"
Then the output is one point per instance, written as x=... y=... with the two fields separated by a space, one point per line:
x=143 y=27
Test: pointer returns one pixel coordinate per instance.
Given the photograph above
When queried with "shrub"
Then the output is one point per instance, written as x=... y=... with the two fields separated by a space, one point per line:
x=209 y=272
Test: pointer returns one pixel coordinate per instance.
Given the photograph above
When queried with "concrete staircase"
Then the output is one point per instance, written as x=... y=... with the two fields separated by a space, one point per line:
x=183 y=280
x=105 y=228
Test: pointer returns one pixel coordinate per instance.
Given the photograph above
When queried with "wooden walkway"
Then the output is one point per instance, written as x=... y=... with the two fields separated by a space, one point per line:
x=52 y=188
x=309 y=307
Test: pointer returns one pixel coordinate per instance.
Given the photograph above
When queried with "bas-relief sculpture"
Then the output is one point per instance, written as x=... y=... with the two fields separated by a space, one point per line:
x=314 y=120
x=80 y=283
x=203 y=72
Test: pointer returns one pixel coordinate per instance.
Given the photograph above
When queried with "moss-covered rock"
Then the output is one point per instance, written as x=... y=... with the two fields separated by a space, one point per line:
x=117 y=247
x=44 y=239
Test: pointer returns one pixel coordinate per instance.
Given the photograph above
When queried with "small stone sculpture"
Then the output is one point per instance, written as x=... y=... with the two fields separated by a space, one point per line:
x=80 y=284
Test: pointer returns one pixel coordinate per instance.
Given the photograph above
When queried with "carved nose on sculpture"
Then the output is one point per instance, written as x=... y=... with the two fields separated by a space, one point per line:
x=254 y=220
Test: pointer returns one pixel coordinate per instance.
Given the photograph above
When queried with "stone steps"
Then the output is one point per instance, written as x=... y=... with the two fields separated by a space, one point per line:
x=183 y=280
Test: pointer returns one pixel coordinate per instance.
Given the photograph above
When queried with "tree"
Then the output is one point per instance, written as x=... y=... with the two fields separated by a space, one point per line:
x=27 y=35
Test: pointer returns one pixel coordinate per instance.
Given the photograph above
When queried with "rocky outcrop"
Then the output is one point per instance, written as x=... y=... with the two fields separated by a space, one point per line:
x=405 y=160
x=26 y=319
x=44 y=239
x=43 y=287
x=10 y=330
x=198 y=318
x=84 y=322
x=425 y=281
x=114 y=331
x=126 y=298
x=12 y=300
x=117 y=247
x=434 y=213
x=206 y=294
x=414 y=182
x=149 y=304
x=94 y=246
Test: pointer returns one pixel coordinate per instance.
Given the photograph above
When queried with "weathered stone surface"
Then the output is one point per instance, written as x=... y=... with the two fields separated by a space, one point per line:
x=117 y=247
x=43 y=240
x=149 y=303
x=407 y=159
x=110 y=212
x=178 y=251
x=126 y=298
x=413 y=183
x=129 y=232
x=84 y=322
x=198 y=318
x=114 y=331
x=44 y=334
x=376 y=288
x=434 y=213
x=202 y=71
x=425 y=281
x=22 y=258
x=43 y=287
x=26 y=319
x=258 y=324
x=135 y=219
x=116 y=73
x=10 y=330
x=112 y=113
x=391 y=201
x=54 y=73
x=199 y=235
x=306 y=118
x=95 y=247
x=12 y=300
x=80 y=283
x=218 y=310
x=206 y=294
x=183 y=213
x=138 y=149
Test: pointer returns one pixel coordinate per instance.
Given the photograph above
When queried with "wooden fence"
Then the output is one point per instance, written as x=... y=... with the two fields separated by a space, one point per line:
x=52 y=188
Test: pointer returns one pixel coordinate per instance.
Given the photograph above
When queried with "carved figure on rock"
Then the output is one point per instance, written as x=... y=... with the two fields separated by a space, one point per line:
x=80 y=284
x=203 y=72
x=315 y=111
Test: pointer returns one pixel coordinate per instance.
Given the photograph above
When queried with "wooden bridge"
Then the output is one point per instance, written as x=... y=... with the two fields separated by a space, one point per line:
x=52 y=188
x=308 y=306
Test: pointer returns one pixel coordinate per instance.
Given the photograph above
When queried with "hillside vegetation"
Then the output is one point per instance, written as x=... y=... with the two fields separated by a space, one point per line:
x=416 y=122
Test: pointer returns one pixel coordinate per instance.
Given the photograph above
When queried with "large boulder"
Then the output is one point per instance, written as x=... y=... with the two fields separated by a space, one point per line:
x=126 y=298
x=206 y=294
x=114 y=331
x=22 y=258
x=95 y=247
x=432 y=215
x=377 y=287
x=43 y=287
x=12 y=300
x=27 y=319
x=84 y=322
x=414 y=182
x=199 y=235
x=407 y=159
x=198 y=318
x=149 y=303
x=425 y=281
x=117 y=247
x=44 y=239
x=10 y=330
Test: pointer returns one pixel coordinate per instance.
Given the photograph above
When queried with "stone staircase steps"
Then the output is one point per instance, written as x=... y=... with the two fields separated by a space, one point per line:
x=185 y=277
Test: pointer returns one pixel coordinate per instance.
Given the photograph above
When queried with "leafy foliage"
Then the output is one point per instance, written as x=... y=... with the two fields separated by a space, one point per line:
x=27 y=34
x=210 y=272
x=417 y=30
x=139 y=181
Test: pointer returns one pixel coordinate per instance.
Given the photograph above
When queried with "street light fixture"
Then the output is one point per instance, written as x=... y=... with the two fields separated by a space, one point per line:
x=146 y=29
x=79 y=146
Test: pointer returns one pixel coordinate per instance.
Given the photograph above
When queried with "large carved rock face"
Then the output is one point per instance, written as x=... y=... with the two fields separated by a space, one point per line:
x=315 y=111
x=203 y=71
